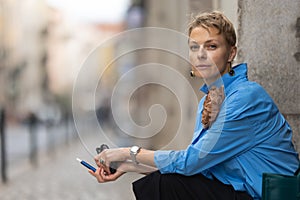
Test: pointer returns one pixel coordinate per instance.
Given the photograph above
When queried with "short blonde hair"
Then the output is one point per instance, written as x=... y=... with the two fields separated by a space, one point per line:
x=217 y=20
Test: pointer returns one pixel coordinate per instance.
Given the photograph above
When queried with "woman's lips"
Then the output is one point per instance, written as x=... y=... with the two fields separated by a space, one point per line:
x=203 y=66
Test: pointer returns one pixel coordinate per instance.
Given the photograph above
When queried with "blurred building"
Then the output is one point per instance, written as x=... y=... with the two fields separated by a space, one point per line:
x=41 y=51
x=69 y=45
x=23 y=54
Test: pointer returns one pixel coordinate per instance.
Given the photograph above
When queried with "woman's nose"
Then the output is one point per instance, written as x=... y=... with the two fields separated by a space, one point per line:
x=202 y=54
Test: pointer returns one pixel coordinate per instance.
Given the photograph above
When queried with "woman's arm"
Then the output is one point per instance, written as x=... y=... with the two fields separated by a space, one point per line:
x=145 y=159
x=145 y=156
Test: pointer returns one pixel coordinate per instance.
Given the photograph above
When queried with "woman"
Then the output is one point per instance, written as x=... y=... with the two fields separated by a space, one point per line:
x=239 y=131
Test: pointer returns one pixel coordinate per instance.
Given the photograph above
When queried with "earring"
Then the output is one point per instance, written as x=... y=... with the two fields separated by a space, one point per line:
x=192 y=73
x=231 y=71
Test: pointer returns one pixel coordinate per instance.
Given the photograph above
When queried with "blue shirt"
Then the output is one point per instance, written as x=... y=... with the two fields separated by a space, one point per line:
x=249 y=137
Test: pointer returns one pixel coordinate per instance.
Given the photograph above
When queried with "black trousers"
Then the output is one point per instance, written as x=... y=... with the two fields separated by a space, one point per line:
x=157 y=186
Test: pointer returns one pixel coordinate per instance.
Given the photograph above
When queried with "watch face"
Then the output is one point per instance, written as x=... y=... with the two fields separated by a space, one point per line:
x=134 y=149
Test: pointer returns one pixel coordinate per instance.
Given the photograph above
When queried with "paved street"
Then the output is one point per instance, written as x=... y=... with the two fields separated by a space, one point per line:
x=59 y=176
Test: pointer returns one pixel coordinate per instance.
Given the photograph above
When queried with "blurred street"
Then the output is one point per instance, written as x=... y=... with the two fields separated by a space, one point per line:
x=57 y=174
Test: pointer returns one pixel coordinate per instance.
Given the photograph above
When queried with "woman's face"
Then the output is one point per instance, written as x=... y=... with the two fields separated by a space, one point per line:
x=209 y=53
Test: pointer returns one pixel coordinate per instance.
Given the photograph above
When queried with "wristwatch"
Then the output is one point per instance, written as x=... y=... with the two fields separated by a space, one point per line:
x=134 y=150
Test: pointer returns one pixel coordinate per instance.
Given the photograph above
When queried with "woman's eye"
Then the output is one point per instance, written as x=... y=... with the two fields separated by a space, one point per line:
x=194 y=47
x=211 y=46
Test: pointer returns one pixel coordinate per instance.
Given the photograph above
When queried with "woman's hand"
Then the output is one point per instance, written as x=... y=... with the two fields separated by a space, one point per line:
x=112 y=155
x=102 y=176
x=104 y=162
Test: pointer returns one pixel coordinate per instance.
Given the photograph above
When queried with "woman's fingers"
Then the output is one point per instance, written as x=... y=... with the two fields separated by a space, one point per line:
x=97 y=174
x=100 y=160
x=102 y=176
x=110 y=177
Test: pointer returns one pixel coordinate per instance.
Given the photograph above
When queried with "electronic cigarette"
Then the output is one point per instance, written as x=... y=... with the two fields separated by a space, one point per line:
x=87 y=165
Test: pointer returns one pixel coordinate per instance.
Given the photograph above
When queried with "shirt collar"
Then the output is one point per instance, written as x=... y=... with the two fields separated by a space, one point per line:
x=240 y=71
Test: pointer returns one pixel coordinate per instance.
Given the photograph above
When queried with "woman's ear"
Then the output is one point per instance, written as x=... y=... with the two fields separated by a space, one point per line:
x=233 y=51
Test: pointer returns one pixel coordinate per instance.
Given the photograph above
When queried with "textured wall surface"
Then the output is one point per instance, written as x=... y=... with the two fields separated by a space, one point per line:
x=269 y=41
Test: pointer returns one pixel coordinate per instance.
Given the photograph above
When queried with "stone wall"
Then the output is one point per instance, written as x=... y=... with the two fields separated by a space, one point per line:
x=269 y=41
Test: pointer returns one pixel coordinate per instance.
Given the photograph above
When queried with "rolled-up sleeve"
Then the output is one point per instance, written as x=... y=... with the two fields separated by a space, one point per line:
x=167 y=161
